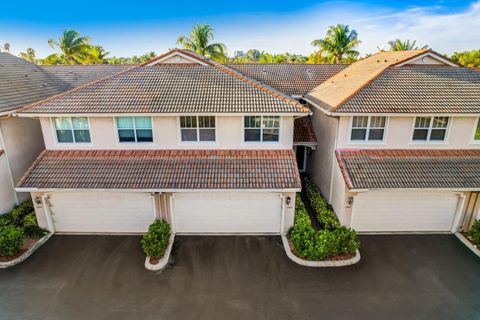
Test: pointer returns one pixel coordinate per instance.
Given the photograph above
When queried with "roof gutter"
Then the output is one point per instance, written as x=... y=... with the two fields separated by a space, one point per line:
x=416 y=189
x=160 y=114
x=20 y=189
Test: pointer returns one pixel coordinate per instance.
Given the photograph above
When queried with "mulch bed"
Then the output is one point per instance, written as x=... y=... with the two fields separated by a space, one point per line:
x=467 y=235
x=154 y=260
x=27 y=244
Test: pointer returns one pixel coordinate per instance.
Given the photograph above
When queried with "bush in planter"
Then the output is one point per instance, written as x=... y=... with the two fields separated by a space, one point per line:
x=155 y=242
x=31 y=228
x=323 y=211
x=21 y=211
x=475 y=232
x=302 y=233
x=11 y=240
x=6 y=219
x=348 y=242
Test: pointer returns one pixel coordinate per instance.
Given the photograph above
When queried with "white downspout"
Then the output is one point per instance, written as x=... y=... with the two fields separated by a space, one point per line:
x=458 y=212
x=48 y=212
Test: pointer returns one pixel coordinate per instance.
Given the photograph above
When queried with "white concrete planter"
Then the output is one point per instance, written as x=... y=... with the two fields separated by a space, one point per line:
x=475 y=249
x=162 y=263
x=318 y=264
x=27 y=253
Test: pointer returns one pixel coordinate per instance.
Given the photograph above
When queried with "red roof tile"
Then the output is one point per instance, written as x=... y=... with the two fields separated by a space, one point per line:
x=303 y=131
x=163 y=169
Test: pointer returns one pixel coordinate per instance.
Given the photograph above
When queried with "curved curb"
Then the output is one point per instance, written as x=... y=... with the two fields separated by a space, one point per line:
x=162 y=263
x=318 y=264
x=27 y=253
x=475 y=249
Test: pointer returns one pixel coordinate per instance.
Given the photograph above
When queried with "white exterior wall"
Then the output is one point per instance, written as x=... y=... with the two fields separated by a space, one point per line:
x=166 y=135
x=7 y=194
x=399 y=132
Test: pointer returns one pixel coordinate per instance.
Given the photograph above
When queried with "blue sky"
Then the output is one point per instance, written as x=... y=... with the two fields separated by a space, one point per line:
x=128 y=28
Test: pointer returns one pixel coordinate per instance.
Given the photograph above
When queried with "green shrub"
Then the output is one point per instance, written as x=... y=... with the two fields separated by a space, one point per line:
x=6 y=219
x=302 y=233
x=323 y=211
x=475 y=232
x=348 y=241
x=31 y=228
x=21 y=211
x=155 y=242
x=11 y=240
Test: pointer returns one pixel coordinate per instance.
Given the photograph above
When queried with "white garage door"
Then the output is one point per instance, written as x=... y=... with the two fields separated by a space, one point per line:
x=404 y=211
x=221 y=212
x=102 y=212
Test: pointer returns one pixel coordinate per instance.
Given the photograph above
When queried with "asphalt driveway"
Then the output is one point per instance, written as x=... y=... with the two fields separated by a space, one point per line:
x=102 y=277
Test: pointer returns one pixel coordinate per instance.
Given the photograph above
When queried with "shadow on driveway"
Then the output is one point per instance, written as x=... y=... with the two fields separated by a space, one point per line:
x=102 y=277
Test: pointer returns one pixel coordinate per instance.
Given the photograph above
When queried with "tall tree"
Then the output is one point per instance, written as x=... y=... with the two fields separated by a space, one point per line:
x=399 y=45
x=29 y=55
x=199 y=41
x=339 y=44
x=74 y=48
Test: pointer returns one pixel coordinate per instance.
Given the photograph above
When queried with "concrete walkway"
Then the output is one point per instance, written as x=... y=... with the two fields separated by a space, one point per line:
x=102 y=277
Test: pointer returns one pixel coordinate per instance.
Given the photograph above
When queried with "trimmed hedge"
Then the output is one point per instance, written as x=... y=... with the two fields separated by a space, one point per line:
x=11 y=240
x=155 y=242
x=323 y=211
x=475 y=232
x=320 y=245
x=23 y=216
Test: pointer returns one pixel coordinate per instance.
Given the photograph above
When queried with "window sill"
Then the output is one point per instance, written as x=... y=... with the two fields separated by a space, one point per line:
x=367 y=143
x=428 y=143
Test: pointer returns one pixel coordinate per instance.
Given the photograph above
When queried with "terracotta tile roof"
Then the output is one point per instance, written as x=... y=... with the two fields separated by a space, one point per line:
x=23 y=83
x=303 y=131
x=419 y=89
x=332 y=93
x=77 y=75
x=163 y=169
x=392 y=169
x=290 y=78
x=170 y=89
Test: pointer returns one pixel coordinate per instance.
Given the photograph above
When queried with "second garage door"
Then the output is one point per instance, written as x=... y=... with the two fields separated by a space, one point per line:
x=211 y=213
x=101 y=212
x=396 y=211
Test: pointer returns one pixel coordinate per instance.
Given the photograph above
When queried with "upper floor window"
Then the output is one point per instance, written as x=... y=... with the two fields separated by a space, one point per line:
x=430 y=128
x=367 y=128
x=72 y=129
x=476 y=136
x=134 y=129
x=262 y=128
x=197 y=128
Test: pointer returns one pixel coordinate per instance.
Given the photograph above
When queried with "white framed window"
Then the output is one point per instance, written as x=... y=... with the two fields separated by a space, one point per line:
x=134 y=129
x=476 y=133
x=368 y=128
x=197 y=129
x=430 y=128
x=72 y=129
x=261 y=128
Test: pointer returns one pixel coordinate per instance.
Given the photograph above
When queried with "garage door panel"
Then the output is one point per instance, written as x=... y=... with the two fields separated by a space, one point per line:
x=102 y=212
x=404 y=211
x=227 y=213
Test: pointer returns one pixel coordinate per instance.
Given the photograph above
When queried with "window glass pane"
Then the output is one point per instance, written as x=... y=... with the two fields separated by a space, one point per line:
x=360 y=122
x=375 y=134
x=252 y=121
x=80 y=123
x=144 y=135
x=124 y=122
x=252 y=134
x=477 y=132
x=82 y=135
x=438 y=134
x=270 y=135
x=189 y=134
x=377 y=122
x=422 y=122
x=358 y=134
x=420 y=134
x=440 y=122
x=271 y=122
x=206 y=122
x=64 y=136
x=207 y=134
x=62 y=124
x=143 y=122
x=126 y=135
x=188 y=122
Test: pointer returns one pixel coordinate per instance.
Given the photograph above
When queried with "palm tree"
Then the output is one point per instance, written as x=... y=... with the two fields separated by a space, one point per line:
x=199 y=42
x=28 y=55
x=339 y=44
x=399 y=45
x=75 y=49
